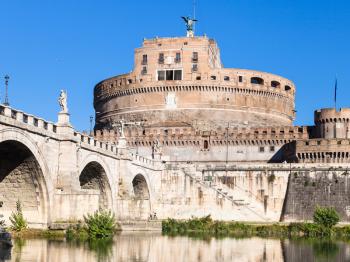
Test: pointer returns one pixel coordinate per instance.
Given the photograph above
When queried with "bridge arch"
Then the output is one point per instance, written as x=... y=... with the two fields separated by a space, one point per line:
x=24 y=176
x=141 y=197
x=94 y=174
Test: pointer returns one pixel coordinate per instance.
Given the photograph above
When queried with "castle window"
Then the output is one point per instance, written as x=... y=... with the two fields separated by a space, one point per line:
x=129 y=81
x=206 y=144
x=272 y=148
x=194 y=68
x=261 y=149
x=177 y=75
x=169 y=75
x=198 y=78
x=195 y=57
x=144 y=60
x=161 y=75
x=161 y=58
x=275 y=84
x=240 y=79
x=144 y=70
x=226 y=78
x=287 y=88
x=178 y=58
x=212 y=77
x=257 y=81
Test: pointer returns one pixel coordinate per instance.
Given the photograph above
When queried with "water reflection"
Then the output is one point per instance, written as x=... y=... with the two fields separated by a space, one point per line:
x=155 y=247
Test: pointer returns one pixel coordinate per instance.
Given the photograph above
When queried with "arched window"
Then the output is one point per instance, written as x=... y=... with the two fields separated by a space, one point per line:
x=287 y=88
x=257 y=81
x=275 y=84
x=206 y=144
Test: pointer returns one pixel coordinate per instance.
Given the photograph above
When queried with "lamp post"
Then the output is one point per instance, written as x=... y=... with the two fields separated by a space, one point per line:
x=91 y=119
x=6 y=102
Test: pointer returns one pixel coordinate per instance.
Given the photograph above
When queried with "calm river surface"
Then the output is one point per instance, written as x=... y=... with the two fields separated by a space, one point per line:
x=155 y=247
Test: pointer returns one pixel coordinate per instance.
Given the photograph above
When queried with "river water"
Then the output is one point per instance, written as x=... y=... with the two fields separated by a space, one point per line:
x=155 y=247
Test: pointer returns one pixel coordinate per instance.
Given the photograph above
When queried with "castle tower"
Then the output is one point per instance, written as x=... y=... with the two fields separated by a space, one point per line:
x=331 y=123
x=181 y=81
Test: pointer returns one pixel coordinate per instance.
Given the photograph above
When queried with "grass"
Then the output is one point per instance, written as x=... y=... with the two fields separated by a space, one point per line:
x=205 y=226
x=37 y=233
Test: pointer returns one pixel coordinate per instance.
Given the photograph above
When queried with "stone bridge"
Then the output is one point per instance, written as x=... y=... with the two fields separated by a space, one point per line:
x=59 y=174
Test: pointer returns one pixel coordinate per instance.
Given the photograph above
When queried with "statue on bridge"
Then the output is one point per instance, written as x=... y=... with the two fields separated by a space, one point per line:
x=157 y=150
x=62 y=100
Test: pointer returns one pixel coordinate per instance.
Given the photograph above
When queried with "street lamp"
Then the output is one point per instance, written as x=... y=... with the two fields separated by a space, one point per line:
x=91 y=119
x=6 y=102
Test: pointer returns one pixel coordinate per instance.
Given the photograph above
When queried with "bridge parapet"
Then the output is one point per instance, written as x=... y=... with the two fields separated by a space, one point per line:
x=146 y=162
x=90 y=141
x=17 y=118
x=28 y=119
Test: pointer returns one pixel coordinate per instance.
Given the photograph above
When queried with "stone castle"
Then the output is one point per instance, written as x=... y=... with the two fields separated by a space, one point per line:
x=179 y=136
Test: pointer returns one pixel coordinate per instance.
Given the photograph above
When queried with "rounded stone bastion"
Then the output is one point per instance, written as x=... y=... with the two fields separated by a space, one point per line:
x=182 y=82
x=331 y=123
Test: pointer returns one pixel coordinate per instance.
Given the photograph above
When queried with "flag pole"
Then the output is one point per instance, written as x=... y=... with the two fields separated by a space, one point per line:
x=335 y=93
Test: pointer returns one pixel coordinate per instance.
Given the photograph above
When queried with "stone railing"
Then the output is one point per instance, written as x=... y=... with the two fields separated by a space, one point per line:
x=28 y=119
x=144 y=161
x=47 y=126
x=87 y=140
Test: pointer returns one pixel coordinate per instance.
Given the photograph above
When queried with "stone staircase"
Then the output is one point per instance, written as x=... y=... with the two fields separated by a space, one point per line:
x=248 y=205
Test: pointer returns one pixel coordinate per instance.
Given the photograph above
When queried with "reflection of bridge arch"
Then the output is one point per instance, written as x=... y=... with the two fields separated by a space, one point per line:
x=141 y=196
x=24 y=176
x=95 y=175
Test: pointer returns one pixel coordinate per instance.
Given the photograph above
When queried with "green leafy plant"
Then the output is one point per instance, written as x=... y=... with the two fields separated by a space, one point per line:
x=17 y=219
x=101 y=224
x=326 y=216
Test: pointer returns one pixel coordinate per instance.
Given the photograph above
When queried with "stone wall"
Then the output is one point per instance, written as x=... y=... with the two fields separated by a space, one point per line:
x=308 y=189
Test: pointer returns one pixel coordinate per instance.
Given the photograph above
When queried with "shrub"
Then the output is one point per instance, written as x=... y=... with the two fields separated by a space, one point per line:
x=326 y=216
x=101 y=224
x=17 y=219
x=77 y=232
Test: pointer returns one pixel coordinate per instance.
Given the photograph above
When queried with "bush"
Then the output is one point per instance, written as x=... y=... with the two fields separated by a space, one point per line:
x=101 y=224
x=77 y=232
x=326 y=216
x=17 y=219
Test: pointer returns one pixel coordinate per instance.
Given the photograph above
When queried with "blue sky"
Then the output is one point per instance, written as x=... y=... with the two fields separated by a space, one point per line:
x=46 y=46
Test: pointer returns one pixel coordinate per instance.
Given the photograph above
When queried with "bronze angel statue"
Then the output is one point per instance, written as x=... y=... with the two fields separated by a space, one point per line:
x=189 y=23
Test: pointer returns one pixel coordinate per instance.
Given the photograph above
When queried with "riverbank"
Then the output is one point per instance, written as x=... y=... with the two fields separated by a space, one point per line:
x=37 y=233
x=205 y=226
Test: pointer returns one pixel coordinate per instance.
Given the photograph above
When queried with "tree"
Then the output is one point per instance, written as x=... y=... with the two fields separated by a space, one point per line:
x=326 y=216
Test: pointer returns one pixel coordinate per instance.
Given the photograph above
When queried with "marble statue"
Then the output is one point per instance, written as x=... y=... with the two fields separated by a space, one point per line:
x=62 y=100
